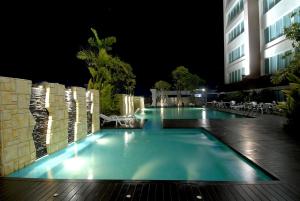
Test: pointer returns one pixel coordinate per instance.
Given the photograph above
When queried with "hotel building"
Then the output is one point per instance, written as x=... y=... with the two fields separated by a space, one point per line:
x=254 y=41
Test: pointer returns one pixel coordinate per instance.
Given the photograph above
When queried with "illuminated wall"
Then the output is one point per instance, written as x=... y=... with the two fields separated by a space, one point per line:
x=16 y=125
x=138 y=102
x=79 y=94
x=93 y=96
x=126 y=104
x=39 y=120
x=57 y=131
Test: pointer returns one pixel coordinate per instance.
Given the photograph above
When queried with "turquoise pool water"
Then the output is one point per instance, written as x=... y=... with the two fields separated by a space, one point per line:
x=195 y=113
x=151 y=153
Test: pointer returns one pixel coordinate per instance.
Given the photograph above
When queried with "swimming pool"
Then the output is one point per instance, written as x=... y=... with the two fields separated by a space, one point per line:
x=193 y=113
x=151 y=153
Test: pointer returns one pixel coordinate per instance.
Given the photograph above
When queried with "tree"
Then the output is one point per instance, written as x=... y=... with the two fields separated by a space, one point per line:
x=109 y=75
x=97 y=59
x=122 y=75
x=193 y=82
x=162 y=86
x=180 y=75
x=292 y=74
x=184 y=80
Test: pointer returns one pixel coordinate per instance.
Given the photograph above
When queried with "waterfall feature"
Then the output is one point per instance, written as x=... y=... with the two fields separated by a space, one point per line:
x=89 y=111
x=71 y=104
x=41 y=115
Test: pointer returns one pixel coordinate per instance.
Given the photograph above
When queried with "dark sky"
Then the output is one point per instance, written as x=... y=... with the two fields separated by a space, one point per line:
x=40 y=41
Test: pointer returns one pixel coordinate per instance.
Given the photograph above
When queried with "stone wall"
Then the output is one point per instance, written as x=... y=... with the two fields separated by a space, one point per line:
x=57 y=131
x=48 y=103
x=71 y=105
x=89 y=112
x=16 y=125
x=94 y=97
x=126 y=104
x=131 y=105
x=122 y=103
x=81 y=114
x=138 y=102
x=40 y=114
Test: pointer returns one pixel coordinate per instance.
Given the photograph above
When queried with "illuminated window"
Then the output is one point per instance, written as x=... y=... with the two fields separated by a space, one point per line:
x=236 y=32
x=236 y=54
x=275 y=63
x=236 y=75
x=236 y=10
x=277 y=29
x=268 y=4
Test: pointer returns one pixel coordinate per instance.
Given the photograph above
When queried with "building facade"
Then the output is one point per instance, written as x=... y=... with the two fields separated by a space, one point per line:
x=241 y=39
x=254 y=41
x=275 y=15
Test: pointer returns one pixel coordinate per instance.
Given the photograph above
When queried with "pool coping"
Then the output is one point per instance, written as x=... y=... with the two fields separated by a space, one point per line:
x=273 y=176
x=264 y=169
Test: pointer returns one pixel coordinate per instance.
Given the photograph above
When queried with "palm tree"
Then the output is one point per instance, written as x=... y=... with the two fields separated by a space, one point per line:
x=97 y=60
x=109 y=74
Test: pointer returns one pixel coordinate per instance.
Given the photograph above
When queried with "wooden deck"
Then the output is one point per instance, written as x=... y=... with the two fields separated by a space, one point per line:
x=14 y=189
x=260 y=139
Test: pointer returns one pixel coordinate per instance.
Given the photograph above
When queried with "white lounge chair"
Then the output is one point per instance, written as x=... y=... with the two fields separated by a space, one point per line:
x=122 y=120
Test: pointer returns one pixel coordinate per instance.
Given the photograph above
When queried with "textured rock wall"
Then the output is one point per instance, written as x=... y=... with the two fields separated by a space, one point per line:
x=89 y=112
x=71 y=105
x=81 y=116
x=57 y=131
x=41 y=115
x=61 y=117
x=16 y=125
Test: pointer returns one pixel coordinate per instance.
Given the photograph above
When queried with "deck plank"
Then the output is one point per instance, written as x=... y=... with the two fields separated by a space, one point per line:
x=137 y=193
x=43 y=190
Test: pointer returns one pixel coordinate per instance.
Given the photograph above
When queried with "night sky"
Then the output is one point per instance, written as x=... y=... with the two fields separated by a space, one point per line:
x=40 y=41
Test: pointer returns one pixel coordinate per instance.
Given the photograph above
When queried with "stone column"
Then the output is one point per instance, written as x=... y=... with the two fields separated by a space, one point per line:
x=57 y=131
x=138 y=102
x=16 y=125
x=81 y=116
x=126 y=104
x=131 y=105
x=123 y=105
x=154 y=96
x=95 y=110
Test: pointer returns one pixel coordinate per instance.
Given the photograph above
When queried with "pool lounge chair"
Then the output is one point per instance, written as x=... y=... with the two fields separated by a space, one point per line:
x=122 y=120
